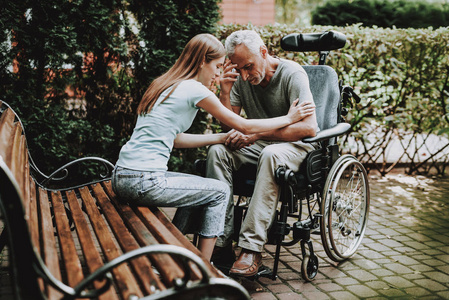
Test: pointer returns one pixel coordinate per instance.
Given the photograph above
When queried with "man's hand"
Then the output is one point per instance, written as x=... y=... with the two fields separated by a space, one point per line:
x=228 y=77
x=300 y=111
x=236 y=140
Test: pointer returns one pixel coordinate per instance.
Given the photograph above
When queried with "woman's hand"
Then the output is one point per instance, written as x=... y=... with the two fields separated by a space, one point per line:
x=228 y=77
x=237 y=140
x=297 y=112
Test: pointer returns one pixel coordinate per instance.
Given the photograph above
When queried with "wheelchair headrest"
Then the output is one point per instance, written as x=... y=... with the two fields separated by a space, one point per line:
x=303 y=42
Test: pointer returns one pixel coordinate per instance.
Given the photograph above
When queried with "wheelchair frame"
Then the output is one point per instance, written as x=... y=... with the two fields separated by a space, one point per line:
x=337 y=186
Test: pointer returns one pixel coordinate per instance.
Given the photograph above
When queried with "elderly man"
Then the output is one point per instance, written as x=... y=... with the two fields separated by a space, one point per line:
x=264 y=86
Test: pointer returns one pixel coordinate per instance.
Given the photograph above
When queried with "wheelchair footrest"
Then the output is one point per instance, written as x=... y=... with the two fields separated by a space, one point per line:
x=265 y=271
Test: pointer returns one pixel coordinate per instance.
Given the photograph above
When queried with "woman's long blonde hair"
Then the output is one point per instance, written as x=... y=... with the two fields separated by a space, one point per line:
x=201 y=48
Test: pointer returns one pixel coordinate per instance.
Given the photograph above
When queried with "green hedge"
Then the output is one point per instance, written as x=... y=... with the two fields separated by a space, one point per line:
x=382 y=13
x=401 y=76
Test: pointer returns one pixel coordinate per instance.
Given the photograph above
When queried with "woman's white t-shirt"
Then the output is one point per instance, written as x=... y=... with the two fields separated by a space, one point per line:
x=152 y=140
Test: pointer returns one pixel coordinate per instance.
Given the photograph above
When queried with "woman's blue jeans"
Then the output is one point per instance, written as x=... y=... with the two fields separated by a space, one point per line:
x=201 y=202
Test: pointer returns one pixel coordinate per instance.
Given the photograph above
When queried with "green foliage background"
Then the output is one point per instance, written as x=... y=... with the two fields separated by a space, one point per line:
x=108 y=51
x=401 y=74
x=383 y=13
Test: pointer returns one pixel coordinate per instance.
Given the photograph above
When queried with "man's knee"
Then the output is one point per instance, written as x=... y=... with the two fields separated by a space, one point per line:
x=216 y=151
x=284 y=154
x=269 y=154
x=218 y=163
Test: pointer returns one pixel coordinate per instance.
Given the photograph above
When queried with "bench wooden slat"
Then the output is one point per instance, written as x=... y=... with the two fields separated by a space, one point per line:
x=92 y=258
x=144 y=237
x=15 y=155
x=182 y=238
x=24 y=173
x=49 y=252
x=67 y=245
x=125 y=280
x=141 y=265
x=26 y=178
x=33 y=218
x=163 y=235
x=33 y=222
x=6 y=125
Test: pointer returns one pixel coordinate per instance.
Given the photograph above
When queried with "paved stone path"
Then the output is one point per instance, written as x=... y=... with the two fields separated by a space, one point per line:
x=404 y=255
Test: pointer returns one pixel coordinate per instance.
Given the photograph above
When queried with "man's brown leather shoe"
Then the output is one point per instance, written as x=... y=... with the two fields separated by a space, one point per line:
x=247 y=264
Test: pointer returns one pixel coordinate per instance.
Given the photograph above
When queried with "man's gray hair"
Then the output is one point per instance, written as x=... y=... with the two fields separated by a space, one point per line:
x=249 y=38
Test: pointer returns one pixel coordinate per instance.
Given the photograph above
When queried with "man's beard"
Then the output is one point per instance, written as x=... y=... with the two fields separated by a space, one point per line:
x=258 y=79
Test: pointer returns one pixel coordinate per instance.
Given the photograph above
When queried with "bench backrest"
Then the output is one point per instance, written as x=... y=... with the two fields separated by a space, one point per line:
x=16 y=184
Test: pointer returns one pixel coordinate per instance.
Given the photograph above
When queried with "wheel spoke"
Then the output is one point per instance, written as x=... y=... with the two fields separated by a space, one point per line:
x=345 y=209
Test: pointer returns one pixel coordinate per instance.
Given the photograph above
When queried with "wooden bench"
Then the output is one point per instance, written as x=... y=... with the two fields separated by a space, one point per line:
x=81 y=242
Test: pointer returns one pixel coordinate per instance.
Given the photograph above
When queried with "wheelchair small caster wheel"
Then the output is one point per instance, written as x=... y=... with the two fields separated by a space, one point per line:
x=309 y=267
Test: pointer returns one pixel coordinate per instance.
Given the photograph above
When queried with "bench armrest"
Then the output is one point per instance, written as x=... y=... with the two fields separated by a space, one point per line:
x=180 y=283
x=63 y=172
x=326 y=134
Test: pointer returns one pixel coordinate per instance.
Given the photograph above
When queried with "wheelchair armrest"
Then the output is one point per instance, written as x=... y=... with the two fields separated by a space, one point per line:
x=326 y=134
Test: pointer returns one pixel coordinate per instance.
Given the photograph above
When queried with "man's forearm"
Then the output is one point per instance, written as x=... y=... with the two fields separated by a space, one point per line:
x=291 y=133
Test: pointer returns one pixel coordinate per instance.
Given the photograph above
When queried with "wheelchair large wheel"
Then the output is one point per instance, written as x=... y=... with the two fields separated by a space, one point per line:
x=345 y=208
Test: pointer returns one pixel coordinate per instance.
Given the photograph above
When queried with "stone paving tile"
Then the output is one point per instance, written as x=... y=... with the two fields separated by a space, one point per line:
x=431 y=285
x=418 y=291
x=362 y=291
x=444 y=295
x=344 y=295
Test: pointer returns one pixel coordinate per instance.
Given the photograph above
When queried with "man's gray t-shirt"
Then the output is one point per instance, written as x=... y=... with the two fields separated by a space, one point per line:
x=288 y=83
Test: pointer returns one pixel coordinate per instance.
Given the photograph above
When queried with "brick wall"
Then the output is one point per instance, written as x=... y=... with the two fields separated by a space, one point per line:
x=258 y=12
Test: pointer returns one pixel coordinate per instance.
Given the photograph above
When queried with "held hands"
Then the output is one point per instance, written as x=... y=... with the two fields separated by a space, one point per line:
x=236 y=140
x=228 y=77
x=297 y=112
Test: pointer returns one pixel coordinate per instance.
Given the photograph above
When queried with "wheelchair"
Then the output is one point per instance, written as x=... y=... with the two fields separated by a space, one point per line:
x=329 y=195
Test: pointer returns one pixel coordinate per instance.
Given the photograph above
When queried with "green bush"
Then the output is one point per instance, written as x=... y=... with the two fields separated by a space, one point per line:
x=165 y=28
x=402 y=76
x=382 y=13
x=107 y=51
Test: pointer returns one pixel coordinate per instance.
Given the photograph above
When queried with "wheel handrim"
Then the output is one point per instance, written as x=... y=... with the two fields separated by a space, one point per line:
x=348 y=214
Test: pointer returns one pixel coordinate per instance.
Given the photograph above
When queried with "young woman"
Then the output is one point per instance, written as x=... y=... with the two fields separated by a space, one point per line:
x=166 y=110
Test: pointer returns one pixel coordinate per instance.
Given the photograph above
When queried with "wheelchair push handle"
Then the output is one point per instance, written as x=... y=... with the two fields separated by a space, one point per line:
x=348 y=94
x=303 y=42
